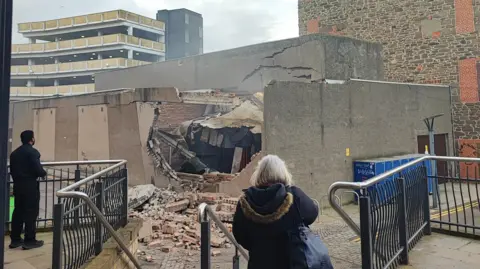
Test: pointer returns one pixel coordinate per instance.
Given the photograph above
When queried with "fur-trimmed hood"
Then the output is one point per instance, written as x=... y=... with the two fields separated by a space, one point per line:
x=266 y=205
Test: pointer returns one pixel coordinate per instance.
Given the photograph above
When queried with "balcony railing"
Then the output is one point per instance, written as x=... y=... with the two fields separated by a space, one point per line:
x=90 y=19
x=83 y=66
x=90 y=42
x=50 y=91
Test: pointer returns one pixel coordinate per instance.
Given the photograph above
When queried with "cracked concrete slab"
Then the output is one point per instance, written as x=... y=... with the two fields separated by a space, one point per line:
x=251 y=68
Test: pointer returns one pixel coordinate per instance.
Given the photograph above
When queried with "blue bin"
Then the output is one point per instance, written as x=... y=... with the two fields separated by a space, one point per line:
x=366 y=169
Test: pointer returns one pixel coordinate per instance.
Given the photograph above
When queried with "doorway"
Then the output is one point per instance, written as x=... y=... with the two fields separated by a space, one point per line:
x=440 y=150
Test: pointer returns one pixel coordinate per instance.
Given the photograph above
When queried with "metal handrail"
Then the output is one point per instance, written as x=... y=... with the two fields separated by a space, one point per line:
x=78 y=162
x=68 y=192
x=205 y=211
x=376 y=179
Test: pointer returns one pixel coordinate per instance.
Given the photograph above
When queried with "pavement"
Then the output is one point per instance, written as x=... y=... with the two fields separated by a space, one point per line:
x=443 y=251
x=40 y=258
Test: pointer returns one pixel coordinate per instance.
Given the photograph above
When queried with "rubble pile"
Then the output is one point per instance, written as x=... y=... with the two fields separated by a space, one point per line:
x=171 y=218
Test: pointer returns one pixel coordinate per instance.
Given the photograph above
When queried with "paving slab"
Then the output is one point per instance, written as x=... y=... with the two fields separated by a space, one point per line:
x=40 y=258
x=444 y=251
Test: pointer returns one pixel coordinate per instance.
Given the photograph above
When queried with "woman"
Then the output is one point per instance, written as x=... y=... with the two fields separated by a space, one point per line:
x=267 y=211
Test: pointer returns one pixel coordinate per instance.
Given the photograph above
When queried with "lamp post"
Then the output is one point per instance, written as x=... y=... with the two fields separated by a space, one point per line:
x=5 y=54
x=431 y=137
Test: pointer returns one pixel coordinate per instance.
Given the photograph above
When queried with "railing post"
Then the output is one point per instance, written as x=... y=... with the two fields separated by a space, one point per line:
x=58 y=212
x=100 y=190
x=236 y=260
x=7 y=204
x=76 y=201
x=205 y=244
x=124 y=174
x=366 y=233
x=402 y=220
x=426 y=203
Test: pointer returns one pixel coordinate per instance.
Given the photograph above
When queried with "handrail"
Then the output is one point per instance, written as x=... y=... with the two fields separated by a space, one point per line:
x=376 y=179
x=68 y=193
x=205 y=211
x=79 y=162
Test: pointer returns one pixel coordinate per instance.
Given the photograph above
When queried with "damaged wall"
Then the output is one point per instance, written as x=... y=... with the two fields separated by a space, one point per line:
x=106 y=125
x=312 y=125
x=251 y=68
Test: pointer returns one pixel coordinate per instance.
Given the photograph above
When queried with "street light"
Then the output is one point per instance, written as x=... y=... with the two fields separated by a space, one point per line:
x=431 y=137
x=5 y=61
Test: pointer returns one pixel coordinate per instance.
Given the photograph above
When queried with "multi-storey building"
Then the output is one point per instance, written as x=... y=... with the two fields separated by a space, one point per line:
x=423 y=41
x=63 y=55
x=183 y=32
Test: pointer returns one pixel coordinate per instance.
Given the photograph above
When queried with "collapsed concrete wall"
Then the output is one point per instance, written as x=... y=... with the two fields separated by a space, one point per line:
x=319 y=129
x=106 y=125
x=251 y=68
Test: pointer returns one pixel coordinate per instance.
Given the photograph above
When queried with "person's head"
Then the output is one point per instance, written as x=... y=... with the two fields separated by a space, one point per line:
x=271 y=170
x=27 y=137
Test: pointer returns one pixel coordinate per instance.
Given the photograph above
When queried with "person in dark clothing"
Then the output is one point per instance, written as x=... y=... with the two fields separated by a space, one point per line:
x=26 y=169
x=265 y=213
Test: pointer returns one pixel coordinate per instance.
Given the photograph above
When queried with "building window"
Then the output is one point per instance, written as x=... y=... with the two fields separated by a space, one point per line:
x=187 y=36
x=187 y=19
x=200 y=32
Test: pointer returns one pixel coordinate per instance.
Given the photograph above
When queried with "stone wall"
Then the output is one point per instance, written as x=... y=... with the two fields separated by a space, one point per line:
x=110 y=257
x=312 y=126
x=433 y=42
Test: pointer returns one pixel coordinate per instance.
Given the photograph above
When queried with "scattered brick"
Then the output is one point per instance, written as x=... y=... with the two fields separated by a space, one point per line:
x=177 y=206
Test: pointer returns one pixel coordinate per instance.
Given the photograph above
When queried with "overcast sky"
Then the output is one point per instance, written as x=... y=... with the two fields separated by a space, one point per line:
x=227 y=23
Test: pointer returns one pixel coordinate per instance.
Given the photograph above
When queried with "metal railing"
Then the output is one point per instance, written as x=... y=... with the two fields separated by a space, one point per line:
x=59 y=175
x=395 y=207
x=87 y=42
x=89 y=19
x=205 y=214
x=87 y=214
x=51 y=90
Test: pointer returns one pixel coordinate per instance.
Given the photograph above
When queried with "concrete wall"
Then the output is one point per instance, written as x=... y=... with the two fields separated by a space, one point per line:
x=312 y=125
x=424 y=42
x=251 y=68
x=106 y=125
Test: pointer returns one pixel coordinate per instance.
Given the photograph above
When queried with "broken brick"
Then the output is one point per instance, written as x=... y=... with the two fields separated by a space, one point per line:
x=169 y=228
x=177 y=206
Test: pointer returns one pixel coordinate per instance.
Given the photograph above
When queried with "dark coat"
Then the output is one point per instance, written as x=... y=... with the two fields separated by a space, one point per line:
x=262 y=219
x=25 y=168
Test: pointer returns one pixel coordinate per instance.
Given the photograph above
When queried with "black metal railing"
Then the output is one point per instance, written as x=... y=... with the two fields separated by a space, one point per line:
x=59 y=175
x=206 y=216
x=395 y=206
x=78 y=232
x=457 y=199
x=393 y=217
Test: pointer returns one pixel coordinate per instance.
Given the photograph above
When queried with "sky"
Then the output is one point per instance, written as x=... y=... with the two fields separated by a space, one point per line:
x=227 y=23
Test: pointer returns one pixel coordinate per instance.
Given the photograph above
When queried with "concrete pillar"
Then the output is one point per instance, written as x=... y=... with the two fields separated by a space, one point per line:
x=130 y=54
x=32 y=40
x=130 y=30
x=31 y=83
x=31 y=62
x=56 y=60
x=99 y=56
x=56 y=82
x=57 y=39
x=99 y=33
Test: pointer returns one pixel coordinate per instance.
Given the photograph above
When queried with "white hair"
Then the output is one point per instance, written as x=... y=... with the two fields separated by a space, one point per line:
x=270 y=170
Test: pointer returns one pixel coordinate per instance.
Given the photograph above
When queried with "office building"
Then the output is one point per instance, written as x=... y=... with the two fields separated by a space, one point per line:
x=183 y=32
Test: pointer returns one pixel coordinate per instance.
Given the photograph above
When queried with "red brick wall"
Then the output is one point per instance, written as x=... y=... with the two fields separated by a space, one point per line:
x=464 y=19
x=313 y=27
x=469 y=148
x=467 y=71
